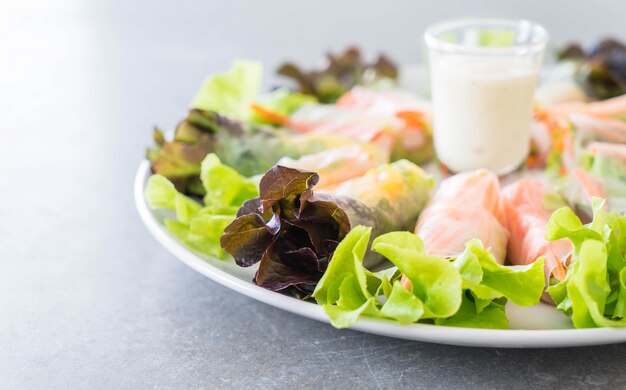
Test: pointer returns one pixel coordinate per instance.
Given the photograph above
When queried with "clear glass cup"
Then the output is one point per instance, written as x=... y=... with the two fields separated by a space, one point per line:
x=483 y=78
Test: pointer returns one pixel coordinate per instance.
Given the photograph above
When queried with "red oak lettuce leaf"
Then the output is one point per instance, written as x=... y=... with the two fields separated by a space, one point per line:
x=289 y=229
x=179 y=159
x=343 y=72
x=600 y=69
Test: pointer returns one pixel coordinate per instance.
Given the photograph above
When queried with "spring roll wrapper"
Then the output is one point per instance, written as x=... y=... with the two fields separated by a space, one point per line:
x=528 y=218
x=292 y=230
x=466 y=206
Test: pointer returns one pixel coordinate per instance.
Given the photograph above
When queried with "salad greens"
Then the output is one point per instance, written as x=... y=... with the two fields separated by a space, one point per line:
x=220 y=190
x=250 y=150
x=201 y=226
x=292 y=231
x=594 y=290
x=230 y=93
x=469 y=290
x=601 y=69
x=276 y=106
x=343 y=72
x=179 y=159
x=235 y=94
x=289 y=230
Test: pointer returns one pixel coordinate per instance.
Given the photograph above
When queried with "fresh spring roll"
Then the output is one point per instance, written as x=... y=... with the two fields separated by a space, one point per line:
x=336 y=165
x=578 y=188
x=384 y=101
x=399 y=191
x=250 y=150
x=560 y=129
x=292 y=230
x=529 y=204
x=412 y=139
x=549 y=135
x=465 y=206
x=391 y=119
x=603 y=174
x=609 y=108
x=611 y=130
x=602 y=120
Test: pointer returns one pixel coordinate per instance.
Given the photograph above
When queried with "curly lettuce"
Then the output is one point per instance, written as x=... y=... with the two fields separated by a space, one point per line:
x=344 y=71
x=470 y=290
x=230 y=93
x=200 y=226
x=292 y=230
x=593 y=293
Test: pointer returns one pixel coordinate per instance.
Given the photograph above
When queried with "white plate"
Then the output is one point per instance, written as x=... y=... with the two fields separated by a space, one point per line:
x=533 y=327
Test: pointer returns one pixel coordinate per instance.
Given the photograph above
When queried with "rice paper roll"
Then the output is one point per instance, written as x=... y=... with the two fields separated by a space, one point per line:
x=465 y=206
x=399 y=191
x=601 y=173
x=607 y=163
x=394 y=120
x=411 y=137
x=612 y=108
x=250 y=150
x=336 y=165
x=529 y=204
x=602 y=129
x=292 y=230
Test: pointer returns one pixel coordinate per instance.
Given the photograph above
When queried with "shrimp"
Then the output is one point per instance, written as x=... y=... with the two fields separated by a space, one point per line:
x=527 y=218
x=466 y=206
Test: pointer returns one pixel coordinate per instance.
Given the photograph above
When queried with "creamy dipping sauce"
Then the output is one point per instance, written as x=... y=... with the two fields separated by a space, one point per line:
x=482 y=111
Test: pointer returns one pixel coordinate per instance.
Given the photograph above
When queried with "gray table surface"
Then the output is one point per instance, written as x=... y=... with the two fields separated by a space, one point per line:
x=88 y=299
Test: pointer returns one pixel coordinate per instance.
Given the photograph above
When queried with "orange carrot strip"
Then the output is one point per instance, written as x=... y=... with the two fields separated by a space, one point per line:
x=412 y=118
x=269 y=115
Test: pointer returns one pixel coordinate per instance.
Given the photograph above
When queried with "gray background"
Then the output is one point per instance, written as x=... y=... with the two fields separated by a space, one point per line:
x=88 y=299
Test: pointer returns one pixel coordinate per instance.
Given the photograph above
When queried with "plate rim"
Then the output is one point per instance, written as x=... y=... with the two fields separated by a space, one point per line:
x=459 y=336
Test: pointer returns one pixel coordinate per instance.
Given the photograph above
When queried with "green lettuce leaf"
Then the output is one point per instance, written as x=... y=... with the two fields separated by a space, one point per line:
x=469 y=315
x=594 y=291
x=435 y=280
x=230 y=93
x=468 y=291
x=161 y=194
x=201 y=226
x=402 y=305
x=282 y=102
x=342 y=290
x=225 y=188
x=488 y=280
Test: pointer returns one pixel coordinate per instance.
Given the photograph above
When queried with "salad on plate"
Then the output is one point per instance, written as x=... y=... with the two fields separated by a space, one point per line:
x=326 y=187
